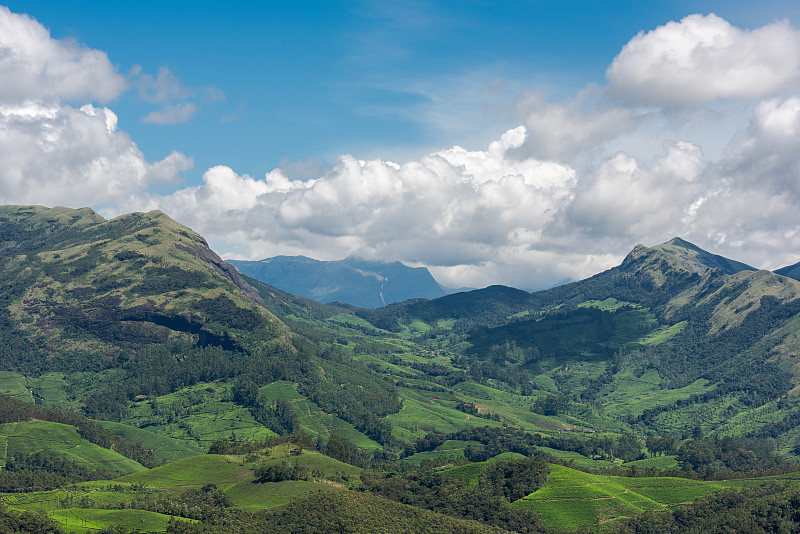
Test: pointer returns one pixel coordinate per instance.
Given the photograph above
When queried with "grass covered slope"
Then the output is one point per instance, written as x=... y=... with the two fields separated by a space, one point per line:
x=61 y=441
x=571 y=498
x=75 y=281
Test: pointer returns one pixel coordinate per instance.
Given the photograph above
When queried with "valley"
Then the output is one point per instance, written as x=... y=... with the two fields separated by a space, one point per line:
x=138 y=370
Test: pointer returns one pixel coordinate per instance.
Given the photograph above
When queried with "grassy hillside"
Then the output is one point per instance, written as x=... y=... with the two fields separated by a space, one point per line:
x=74 y=281
x=62 y=441
x=572 y=498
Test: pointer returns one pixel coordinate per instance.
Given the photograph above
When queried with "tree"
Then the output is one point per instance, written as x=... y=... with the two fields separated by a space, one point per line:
x=339 y=447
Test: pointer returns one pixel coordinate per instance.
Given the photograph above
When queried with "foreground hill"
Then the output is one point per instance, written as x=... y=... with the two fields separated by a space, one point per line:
x=354 y=281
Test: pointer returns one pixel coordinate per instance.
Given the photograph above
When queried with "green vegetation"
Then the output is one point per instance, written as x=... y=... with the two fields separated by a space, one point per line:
x=129 y=344
x=210 y=469
x=571 y=498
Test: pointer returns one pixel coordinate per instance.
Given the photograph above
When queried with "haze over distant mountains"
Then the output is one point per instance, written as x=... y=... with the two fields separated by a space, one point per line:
x=354 y=280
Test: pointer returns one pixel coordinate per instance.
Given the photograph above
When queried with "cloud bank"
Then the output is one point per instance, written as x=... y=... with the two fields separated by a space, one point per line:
x=563 y=195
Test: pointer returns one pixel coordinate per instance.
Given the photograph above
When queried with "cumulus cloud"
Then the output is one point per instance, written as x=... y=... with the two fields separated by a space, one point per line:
x=620 y=197
x=562 y=130
x=703 y=58
x=34 y=66
x=66 y=156
x=453 y=209
x=751 y=210
x=52 y=152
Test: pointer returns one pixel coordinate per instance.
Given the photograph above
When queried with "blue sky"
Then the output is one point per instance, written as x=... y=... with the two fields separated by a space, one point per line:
x=312 y=80
x=208 y=98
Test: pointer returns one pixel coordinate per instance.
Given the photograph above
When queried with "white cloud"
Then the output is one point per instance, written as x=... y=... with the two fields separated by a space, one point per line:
x=562 y=130
x=171 y=114
x=751 y=212
x=167 y=90
x=454 y=209
x=34 y=66
x=703 y=58
x=162 y=88
x=61 y=155
x=622 y=199
x=51 y=152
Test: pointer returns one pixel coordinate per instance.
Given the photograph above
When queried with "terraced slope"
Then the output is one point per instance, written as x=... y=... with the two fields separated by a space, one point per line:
x=61 y=441
x=572 y=498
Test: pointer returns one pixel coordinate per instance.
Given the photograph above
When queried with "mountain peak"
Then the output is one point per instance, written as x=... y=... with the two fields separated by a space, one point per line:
x=682 y=243
x=680 y=256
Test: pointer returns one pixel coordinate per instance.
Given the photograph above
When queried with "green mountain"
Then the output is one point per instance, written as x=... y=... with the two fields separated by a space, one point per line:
x=73 y=281
x=693 y=258
x=677 y=361
x=695 y=332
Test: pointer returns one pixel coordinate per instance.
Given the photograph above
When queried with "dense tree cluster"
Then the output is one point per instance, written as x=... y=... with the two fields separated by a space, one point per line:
x=199 y=504
x=728 y=454
x=39 y=472
x=498 y=440
x=488 y=501
x=28 y=522
x=224 y=446
x=551 y=405
x=770 y=508
x=280 y=472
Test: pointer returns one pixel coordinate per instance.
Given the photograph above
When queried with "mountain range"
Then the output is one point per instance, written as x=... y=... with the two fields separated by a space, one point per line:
x=139 y=326
x=355 y=281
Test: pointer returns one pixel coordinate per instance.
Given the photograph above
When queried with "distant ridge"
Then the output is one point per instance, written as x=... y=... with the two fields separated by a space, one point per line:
x=792 y=271
x=355 y=281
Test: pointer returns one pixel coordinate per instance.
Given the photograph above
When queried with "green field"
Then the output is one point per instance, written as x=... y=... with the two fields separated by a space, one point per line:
x=165 y=449
x=258 y=496
x=200 y=414
x=424 y=412
x=570 y=498
x=468 y=474
x=312 y=418
x=191 y=472
x=91 y=505
x=448 y=448
x=61 y=441
x=15 y=385
x=82 y=520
